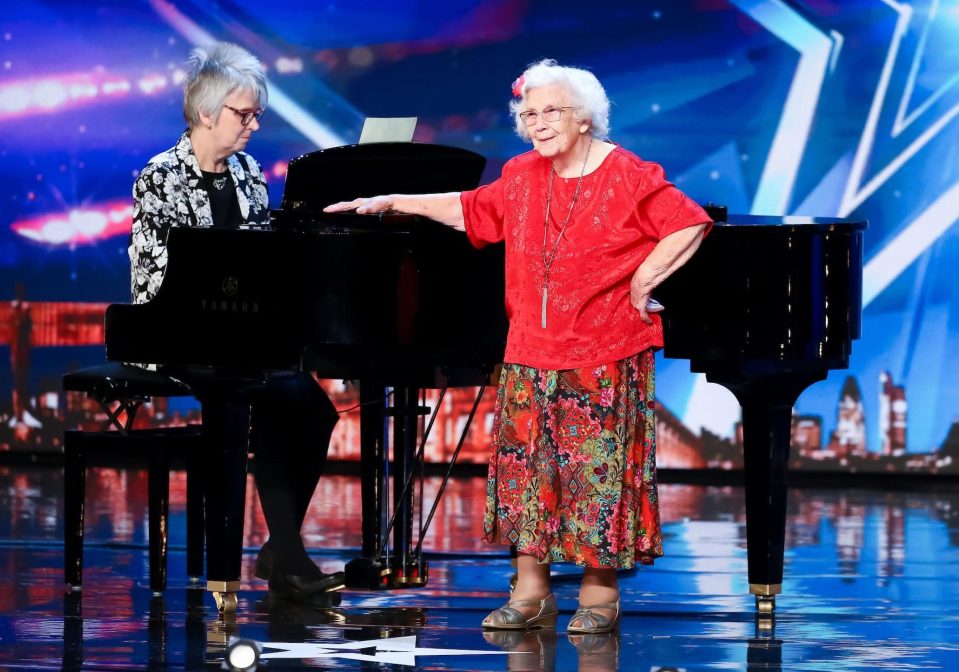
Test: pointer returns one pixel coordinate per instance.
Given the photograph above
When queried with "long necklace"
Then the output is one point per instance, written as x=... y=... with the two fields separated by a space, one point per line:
x=548 y=261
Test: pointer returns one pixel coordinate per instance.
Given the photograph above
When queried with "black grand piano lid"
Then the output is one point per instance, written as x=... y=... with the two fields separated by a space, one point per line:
x=327 y=176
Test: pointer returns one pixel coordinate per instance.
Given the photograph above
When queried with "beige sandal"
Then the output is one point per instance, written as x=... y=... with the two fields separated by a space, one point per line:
x=508 y=618
x=591 y=623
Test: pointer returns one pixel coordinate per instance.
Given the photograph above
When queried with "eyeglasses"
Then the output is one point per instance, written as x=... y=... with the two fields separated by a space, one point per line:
x=246 y=116
x=530 y=117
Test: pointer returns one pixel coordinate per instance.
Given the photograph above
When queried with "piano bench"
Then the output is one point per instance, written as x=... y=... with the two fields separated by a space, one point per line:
x=120 y=390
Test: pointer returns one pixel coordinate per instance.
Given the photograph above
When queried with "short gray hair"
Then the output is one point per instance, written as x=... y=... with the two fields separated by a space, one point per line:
x=215 y=73
x=587 y=94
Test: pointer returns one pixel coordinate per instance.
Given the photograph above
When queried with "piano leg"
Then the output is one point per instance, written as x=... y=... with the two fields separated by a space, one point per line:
x=74 y=490
x=767 y=423
x=226 y=426
x=195 y=537
x=369 y=572
x=158 y=487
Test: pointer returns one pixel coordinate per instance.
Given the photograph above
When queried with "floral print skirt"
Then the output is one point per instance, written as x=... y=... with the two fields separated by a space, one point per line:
x=572 y=475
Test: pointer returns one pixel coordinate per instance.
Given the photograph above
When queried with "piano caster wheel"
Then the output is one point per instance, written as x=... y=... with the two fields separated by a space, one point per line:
x=225 y=603
x=765 y=605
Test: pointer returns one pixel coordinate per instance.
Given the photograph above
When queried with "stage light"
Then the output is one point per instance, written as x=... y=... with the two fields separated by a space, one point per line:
x=48 y=95
x=53 y=93
x=86 y=224
x=242 y=655
x=151 y=84
x=14 y=99
x=286 y=66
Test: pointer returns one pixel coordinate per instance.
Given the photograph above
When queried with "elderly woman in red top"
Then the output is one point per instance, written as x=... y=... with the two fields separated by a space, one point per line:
x=590 y=230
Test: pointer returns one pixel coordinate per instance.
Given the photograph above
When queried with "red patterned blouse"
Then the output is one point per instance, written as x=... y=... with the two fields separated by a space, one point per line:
x=624 y=208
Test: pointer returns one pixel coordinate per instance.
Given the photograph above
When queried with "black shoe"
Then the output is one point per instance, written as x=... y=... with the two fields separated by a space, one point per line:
x=306 y=589
x=264 y=562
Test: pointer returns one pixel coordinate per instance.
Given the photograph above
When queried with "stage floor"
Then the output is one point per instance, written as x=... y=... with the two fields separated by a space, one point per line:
x=872 y=583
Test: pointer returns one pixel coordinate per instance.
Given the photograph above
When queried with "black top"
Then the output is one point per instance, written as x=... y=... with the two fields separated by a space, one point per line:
x=223 y=202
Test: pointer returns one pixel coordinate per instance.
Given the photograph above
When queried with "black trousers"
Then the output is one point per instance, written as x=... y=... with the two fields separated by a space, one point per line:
x=292 y=420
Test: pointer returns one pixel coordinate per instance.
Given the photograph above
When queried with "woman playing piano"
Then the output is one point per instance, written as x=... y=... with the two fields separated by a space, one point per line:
x=207 y=180
x=590 y=230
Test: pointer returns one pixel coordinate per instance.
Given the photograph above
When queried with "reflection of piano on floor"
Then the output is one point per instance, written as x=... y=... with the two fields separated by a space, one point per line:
x=396 y=302
x=766 y=307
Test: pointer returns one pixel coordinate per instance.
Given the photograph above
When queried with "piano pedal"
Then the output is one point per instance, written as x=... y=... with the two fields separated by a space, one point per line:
x=413 y=575
x=368 y=574
x=419 y=574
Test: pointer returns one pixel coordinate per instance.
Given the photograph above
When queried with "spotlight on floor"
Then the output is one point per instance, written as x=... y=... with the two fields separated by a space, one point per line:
x=242 y=655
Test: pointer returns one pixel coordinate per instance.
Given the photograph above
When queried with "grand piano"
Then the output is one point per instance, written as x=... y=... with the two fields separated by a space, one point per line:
x=398 y=303
x=766 y=307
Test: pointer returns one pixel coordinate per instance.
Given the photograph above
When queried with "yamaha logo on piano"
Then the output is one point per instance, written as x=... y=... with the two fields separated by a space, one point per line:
x=230 y=285
x=222 y=306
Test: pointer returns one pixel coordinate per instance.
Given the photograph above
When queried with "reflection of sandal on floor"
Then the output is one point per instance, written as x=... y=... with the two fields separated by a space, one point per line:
x=588 y=622
x=529 y=651
x=597 y=653
x=508 y=617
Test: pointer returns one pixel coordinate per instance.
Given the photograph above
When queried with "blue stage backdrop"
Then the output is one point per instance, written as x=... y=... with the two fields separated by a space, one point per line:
x=771 y=107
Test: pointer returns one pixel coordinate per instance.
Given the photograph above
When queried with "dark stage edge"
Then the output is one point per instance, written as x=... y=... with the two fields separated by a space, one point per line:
x=872 y=583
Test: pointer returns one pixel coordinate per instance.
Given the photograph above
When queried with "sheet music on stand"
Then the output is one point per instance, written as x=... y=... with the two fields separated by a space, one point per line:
x=387 y=129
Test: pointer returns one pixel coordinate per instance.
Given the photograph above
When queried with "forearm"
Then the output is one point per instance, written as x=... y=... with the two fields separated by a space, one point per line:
x=443 y=208
x=669 y=254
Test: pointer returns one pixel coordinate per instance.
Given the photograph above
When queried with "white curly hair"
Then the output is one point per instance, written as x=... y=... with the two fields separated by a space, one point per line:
x=586 y=92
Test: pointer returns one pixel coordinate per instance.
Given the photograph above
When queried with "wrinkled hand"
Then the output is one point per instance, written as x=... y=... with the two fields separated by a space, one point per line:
x=640 y=292
x=363 y=206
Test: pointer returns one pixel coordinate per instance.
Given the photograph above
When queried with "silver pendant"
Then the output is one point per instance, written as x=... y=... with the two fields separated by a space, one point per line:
x=544 y=306
x=219 y=183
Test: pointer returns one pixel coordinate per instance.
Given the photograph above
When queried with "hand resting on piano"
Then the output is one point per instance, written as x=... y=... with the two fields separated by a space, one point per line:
x=443 y=208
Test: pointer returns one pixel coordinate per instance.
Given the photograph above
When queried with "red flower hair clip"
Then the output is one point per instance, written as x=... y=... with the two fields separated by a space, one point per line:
x=518 y=86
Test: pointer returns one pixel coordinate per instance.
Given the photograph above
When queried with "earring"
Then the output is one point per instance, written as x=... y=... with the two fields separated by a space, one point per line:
x=210 y=126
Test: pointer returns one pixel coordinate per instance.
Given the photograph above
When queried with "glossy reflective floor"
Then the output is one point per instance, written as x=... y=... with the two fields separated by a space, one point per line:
x=872 y=583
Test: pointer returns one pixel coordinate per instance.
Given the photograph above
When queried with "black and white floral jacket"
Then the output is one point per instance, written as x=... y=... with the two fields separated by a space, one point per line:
x=169 y=192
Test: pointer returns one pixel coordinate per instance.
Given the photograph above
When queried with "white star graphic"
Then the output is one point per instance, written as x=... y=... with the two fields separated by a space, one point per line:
x=393 y=650
x=887 y=122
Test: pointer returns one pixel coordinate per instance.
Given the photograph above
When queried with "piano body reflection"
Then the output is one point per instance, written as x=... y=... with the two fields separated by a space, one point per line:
x=766 y=307
x=399 y=303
